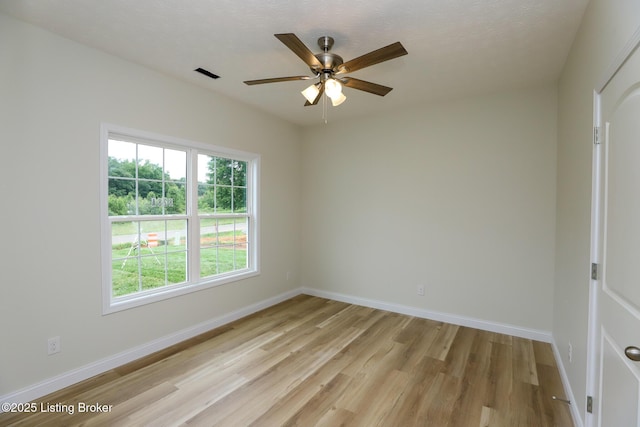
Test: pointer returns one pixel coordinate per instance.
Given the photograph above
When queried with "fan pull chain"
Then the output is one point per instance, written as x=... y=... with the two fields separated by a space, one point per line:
x=324 y=109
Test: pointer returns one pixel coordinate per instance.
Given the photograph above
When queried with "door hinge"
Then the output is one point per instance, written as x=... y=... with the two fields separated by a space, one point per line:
x=594 y=271
x=590 y=404
x=596 y=135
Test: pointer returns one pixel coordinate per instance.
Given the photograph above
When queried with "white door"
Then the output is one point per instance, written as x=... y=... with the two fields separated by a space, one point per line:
x=617 y=402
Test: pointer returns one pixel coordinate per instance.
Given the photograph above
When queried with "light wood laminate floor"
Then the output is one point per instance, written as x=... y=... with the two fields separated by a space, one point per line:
x=314 y=362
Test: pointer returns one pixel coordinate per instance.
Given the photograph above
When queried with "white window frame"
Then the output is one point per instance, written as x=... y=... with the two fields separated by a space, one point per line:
x=194 y=282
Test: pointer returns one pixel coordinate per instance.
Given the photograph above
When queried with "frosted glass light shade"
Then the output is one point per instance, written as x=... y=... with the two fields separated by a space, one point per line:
x=337 y=100
x=311 y=93
x=333 y=88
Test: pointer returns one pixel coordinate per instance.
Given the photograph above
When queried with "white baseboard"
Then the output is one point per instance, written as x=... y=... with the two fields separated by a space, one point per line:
x=518 y=331
x=577 y=418
x=66 y=379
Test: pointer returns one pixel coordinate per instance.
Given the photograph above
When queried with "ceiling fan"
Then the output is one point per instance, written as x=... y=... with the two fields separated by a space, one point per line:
x=328 y=68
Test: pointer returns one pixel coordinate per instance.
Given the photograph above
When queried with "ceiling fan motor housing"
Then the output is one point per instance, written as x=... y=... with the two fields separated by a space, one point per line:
x=328 y=60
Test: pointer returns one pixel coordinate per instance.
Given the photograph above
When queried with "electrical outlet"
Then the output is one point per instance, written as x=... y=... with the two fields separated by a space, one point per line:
x=420 y=290
x=53 y=345
x=570 y=353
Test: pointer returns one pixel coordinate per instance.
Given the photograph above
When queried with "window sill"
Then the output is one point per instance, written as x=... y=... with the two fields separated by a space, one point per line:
x=114 y=305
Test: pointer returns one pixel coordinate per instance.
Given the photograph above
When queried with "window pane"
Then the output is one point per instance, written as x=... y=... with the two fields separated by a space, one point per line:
x=122 y=151
x=176 y=267
x=208 y=232
x=221 y=185
x=122 y=178
x=152 y=202
x=175 y=165
x=150 y=176
x=122 y=187
x=125 y=277
x=224 y=170
x=205 y=169
x=226 y=259
x=152 y=271
x=175 y=198
x=240 y=256
x=241 y=227
x=206 y=198
x=208 y=262
x=151 y=232
x=239 y=200
x=122 y=193
x=150 y=161
x=206 y=177
x=226 y=231
x=241 y=243
x=124 y=240
x=240 y=173
x=175 y=238
x=223 y=245
x=147 y=255
x=223 y=199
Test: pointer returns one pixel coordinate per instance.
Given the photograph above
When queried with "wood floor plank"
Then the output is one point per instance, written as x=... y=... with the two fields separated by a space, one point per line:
x=442 y=397
x=269 y=387
x=314 y=362
x=412 y=406
x=383 y=397
x=551 y=385
x=353 y=356
x=314 y=388
x=543 y=354
x=524 y=361
x=335 y=417
x=459 y=351
x=441 y=345
x=121 y=413
x=368 y=382
x=417 y=336
x=475 y=376
x=316 y=407
x=487 y=417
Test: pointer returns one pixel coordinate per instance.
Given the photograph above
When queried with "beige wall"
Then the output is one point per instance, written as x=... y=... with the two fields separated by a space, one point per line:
x=458 y=197
x=53 y=96
x=606 y=27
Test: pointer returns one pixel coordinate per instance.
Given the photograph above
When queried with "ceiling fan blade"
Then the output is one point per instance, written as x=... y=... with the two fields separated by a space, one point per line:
x=276 y=80
x=315 y=101
x=295 y=44
x=380 y=55
x=374 y=88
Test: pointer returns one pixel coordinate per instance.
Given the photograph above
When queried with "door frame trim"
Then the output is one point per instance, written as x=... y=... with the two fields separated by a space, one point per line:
x=629 y=47
x=593 y=359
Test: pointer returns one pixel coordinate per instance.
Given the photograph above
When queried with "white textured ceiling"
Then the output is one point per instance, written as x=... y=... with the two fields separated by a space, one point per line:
x=456 y=48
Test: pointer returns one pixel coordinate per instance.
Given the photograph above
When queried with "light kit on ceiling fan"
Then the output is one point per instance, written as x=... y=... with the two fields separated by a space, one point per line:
x=333 y=89
x=311 y=92
x=337 y=100
x=329 y=68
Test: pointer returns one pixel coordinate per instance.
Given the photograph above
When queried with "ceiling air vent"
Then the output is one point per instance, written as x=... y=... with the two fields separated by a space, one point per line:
x=207 y=73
